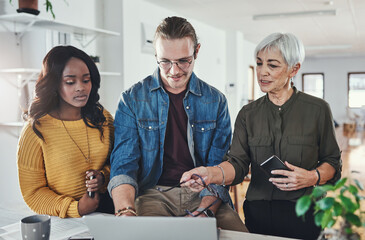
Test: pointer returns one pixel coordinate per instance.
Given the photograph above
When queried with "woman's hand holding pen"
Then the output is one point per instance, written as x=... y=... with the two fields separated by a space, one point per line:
x=95 y=180
x=87 y=204
x=90 y=200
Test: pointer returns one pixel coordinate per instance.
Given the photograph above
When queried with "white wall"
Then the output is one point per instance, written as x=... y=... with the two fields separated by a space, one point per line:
x=28 y=54
x=335 y=80
x=210 y=65
x=224 y=58
x=239 y=56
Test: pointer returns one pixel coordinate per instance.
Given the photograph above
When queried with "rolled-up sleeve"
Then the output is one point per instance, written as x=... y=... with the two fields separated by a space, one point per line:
x=126 y=153
x=329 y=151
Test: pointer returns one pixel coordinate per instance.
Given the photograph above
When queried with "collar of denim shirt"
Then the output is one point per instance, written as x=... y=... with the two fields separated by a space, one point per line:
x=193 y=85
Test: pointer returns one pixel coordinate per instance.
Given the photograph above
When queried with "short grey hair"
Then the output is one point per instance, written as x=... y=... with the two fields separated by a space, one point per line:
x=291 y=48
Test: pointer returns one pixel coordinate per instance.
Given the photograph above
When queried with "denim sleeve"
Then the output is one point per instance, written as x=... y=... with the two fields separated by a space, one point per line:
x=126 y=153
x=222 y=191
x=122 y=179
x=222 y=137
x=220 y=144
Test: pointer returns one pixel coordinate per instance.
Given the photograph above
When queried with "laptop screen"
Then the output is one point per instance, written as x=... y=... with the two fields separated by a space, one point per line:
x=110 y=227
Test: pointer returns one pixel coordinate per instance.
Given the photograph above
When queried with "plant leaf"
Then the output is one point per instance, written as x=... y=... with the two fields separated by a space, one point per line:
x=353 y=190
x=302 y=205
x=354 y=219
x=327 y=217
x=331 y=223
x=340 y=183
x=337 y=209
x=327 y=187
x=49 y=7
x=348 y=204
x=326 y=203
x=348 y=231
x=318 y=219
x=318 y=192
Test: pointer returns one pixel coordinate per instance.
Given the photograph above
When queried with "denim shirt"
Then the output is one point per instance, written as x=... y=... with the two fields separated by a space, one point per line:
x=140 y=128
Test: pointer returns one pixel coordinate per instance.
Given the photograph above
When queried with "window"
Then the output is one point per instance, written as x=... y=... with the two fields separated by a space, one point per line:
x=356 y=90
x=313 y=84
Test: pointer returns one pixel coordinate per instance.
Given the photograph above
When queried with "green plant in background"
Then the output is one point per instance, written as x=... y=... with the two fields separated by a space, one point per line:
x=339 y=203
x=50 y=8
x=48 y=5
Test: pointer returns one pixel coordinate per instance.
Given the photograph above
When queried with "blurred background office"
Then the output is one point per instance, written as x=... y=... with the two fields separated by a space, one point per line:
x=118 y=34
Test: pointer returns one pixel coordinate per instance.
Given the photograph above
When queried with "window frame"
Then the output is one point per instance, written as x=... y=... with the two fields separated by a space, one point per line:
x=314 y=73
x=348 y=89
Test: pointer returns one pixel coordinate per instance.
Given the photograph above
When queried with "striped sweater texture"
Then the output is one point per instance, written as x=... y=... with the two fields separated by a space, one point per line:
x=52 y=172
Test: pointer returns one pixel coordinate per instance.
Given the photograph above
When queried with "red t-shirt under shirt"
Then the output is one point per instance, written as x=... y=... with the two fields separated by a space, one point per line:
x=177 y=158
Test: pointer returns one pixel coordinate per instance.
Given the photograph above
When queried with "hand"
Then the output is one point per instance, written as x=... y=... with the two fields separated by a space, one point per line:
x=196 y=213
x=194 y=183
x=87 y=204
x=96 y=183
x=296 y=179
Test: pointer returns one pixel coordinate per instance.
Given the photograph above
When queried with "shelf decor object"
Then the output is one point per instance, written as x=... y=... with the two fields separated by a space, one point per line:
x=31 y=7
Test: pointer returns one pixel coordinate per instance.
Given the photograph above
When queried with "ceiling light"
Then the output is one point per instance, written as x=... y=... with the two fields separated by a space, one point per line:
x=295 y=14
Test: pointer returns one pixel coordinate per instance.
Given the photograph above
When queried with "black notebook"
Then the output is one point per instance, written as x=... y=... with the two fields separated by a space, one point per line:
x=273 y=163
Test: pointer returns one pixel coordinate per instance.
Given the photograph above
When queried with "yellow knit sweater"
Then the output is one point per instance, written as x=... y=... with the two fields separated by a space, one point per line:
x=52 y=172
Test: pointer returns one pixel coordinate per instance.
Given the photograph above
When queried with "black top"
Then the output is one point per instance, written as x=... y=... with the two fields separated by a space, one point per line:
x=300 y=131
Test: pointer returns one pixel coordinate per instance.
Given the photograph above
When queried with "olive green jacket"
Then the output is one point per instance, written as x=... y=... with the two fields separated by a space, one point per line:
x=300 y=131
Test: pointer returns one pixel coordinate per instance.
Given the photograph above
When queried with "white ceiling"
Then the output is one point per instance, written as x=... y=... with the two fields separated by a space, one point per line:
x=323 y=36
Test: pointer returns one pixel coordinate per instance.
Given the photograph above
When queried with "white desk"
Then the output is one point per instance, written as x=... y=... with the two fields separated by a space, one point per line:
x=232 y=235
x=61 y=229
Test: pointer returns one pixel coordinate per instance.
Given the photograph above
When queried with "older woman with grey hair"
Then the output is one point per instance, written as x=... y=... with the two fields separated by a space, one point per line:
x=296 y=127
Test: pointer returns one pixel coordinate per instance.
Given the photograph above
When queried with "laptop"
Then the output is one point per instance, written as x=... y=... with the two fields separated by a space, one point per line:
x=109 y=227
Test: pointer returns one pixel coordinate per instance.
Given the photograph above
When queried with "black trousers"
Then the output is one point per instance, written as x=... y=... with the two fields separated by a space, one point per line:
x=278 y=218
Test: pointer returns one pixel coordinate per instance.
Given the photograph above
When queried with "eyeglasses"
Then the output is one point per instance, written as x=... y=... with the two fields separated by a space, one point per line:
x=211 y=188
x=183 y=63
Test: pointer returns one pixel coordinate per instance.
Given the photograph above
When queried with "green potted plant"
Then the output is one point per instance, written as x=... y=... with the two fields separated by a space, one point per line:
x=335 y=206
x=31 y=6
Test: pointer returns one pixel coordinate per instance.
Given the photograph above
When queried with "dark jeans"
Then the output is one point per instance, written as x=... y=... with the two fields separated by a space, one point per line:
x=278 y=218
x=106 y=204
